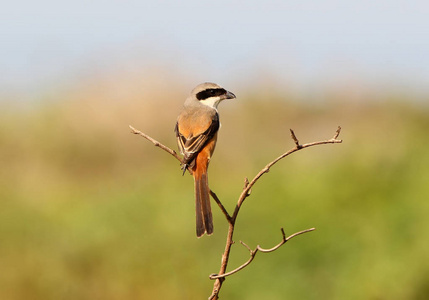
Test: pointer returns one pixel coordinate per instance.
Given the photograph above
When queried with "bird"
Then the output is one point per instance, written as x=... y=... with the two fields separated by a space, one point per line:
x=196 y=132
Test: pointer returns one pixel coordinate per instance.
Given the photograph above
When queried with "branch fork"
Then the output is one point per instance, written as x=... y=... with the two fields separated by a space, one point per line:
x=231 y=219
x=260 y=249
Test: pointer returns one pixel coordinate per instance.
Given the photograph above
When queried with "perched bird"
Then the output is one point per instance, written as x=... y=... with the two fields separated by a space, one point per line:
x=196 y=131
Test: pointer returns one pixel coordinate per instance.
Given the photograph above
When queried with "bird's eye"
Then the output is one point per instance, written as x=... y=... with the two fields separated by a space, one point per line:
x=210 y=93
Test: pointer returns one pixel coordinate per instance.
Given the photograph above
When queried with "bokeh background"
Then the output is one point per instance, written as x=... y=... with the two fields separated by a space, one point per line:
x=90 y=211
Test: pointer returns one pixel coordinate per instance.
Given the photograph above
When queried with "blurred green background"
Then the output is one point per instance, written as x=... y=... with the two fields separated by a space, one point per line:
x=91 y=211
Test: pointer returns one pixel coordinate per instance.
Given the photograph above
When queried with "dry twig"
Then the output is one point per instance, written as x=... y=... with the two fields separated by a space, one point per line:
x=156 y=143
x=260 y=249
x=220 y=277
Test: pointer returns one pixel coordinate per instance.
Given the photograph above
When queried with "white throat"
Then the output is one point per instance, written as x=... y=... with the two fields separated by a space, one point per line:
x=211 y=102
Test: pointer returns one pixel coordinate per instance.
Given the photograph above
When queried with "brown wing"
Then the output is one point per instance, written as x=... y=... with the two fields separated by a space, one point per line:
x=191 y=146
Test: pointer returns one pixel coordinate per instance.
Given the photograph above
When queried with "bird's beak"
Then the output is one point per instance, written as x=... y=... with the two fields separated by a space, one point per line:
x=230 y=95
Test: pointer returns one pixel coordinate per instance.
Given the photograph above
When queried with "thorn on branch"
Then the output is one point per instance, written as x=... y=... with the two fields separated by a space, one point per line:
x=283 y=233
x=295 y=139
x=133 y=130
x=246 y=182
x=337 y=133
x=245 y=245
x=260 y=249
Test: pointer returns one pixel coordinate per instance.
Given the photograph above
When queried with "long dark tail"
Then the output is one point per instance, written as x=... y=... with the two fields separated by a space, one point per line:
x=202 y=202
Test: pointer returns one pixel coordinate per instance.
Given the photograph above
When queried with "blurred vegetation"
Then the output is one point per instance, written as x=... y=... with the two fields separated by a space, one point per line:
x=90 y=211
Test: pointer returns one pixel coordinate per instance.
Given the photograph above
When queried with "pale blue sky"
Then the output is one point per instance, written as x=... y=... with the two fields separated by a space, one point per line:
x=311 y=41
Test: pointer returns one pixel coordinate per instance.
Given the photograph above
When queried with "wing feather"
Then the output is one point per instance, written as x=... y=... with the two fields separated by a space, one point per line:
x=191 y=146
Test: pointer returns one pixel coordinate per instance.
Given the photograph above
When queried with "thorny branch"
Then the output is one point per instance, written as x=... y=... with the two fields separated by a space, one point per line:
x=220 y=277
x=266 y=169
x=260 y=249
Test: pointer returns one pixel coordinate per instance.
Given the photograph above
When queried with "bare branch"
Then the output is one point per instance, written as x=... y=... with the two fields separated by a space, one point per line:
x=220 y=277
x=222 y=208
x=284 y=240
x=245 y=193
x=156 y=143
x=175 y=155
x=245 y=245
x=259 y=248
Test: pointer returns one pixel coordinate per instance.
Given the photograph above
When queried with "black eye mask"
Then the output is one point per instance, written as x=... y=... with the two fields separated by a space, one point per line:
x=203 y=95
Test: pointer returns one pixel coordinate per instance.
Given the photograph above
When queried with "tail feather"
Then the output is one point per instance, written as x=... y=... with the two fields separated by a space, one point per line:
x=202 y=205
